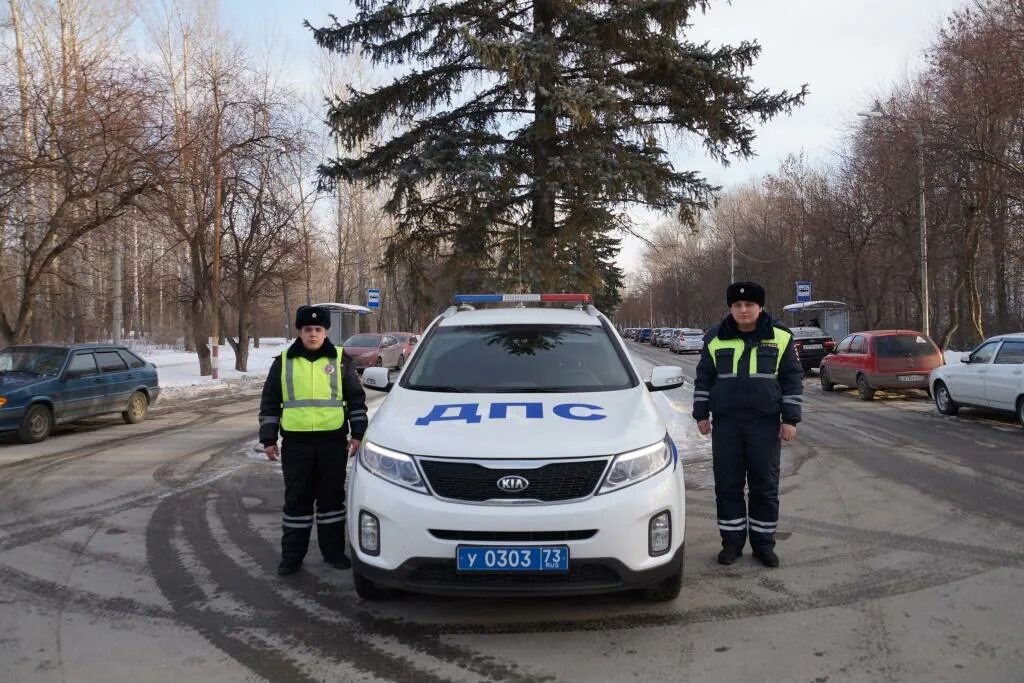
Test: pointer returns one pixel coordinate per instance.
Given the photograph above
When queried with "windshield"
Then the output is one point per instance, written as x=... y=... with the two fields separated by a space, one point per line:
x=519 y=359
x=370 y=340
x=35 y=361
x=904 y=345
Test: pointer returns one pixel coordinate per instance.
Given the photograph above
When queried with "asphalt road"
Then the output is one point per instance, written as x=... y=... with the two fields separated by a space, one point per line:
x=147 y=552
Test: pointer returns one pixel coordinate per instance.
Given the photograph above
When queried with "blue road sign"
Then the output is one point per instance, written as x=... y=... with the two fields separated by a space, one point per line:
x=373 y=298
x=803 y=290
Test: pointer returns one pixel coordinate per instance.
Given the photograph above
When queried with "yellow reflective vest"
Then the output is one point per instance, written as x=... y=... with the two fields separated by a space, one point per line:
x=312 y=394
x=764 y=359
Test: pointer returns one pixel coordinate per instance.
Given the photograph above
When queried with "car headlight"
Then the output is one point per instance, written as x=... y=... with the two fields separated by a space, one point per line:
x=398 y=468
x=635 y=466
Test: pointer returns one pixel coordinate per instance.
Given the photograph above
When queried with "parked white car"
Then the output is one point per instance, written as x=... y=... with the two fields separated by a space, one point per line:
x=519 y=453
x=991 y=376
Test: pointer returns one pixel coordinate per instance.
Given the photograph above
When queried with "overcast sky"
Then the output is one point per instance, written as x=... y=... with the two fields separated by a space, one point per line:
x=847 y=51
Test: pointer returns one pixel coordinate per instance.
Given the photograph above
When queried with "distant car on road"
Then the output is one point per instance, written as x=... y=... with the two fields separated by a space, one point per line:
x=881 y=359
x=811 y=345
x=644 y=335
x=367 y=350
x=690 y=340
x=991 y=376
x=42 y=386
x=407 y=342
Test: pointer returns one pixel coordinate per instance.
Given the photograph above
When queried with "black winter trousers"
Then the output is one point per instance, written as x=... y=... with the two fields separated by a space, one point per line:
x=314 y=491
x=747 y=451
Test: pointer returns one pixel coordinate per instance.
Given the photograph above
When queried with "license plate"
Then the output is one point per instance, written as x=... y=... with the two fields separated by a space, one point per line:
x=497 y=558
x=911 y=378
x=813 y=346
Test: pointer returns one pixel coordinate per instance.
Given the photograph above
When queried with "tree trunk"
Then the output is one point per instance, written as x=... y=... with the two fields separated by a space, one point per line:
x=198 y=310
x=542 y=222
x=117 y=303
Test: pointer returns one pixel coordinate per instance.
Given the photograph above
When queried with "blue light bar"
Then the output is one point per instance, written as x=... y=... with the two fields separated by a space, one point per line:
x=520 y=298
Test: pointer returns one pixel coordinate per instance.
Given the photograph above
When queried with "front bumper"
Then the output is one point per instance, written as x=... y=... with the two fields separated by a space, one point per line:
x=416 y=555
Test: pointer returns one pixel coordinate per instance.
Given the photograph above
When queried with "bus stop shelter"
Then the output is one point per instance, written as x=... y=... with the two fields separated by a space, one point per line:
x=344 y=320
x=831 y=316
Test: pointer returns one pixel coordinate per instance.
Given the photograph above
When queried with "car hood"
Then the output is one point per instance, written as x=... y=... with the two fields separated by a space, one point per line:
x=358 y=350
x=485 y=426
x=17 y=380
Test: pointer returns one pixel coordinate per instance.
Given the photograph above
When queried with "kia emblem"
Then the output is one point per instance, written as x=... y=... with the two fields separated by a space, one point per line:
x=513 y=483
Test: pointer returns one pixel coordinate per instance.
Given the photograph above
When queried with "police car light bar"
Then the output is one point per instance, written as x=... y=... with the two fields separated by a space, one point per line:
x=521 y=298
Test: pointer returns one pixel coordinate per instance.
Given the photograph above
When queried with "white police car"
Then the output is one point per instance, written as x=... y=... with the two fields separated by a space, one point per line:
x=519 y=452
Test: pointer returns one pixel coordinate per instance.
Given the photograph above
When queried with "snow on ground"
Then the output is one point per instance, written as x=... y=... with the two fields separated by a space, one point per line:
x=179 y=370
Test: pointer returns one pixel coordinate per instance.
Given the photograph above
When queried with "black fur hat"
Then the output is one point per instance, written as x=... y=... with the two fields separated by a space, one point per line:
x=745 y=291
x=312 y=315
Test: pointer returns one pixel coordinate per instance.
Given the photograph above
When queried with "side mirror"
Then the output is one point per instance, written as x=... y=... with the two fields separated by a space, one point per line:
x=966 y=358
x=665 y=377
x=377 y=379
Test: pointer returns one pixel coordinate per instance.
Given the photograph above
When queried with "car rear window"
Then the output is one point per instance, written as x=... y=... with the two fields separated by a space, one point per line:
x=808 y=333
x=519 y=359
x=131 y=359
x=363 y=340
x=896 y=345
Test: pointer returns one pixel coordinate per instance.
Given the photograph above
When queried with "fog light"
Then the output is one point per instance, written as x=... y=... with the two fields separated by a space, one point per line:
x=659 y=534
x=369 y=533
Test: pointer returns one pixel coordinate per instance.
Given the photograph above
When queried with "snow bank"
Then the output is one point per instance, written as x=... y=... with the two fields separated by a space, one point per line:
x=179 y=370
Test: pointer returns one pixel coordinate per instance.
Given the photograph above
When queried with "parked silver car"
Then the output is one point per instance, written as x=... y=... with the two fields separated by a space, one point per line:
x=690 y=340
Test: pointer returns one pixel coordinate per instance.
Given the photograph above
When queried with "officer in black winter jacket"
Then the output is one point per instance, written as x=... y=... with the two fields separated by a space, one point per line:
x=314 y=397
x=750 y=381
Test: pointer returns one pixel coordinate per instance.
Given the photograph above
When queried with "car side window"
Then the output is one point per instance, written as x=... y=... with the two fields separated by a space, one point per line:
x=82 y=365
x=1011 y=353
x=131 y=359
x=111 y=362
x=859 y=345
x=984 y=353
x=844 y=346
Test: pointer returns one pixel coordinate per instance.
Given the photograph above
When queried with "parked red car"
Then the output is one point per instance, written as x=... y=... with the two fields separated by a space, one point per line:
x=881 y=359
x=406 y=340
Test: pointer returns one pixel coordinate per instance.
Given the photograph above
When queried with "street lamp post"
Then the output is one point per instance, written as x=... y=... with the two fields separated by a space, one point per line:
x=921 y=211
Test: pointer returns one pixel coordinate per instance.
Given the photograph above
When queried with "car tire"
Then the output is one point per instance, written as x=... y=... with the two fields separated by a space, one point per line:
x=826 y=383
x=864 y=390
x=138 y=406
x=367 y=589
x=1020 y=411
x=944 y=403
x=36 y=424
x=401 y=362
x=665 y=590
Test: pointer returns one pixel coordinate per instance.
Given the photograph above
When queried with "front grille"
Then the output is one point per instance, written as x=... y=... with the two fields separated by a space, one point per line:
x=521 y=536
x=549 y=483
x=443 y=573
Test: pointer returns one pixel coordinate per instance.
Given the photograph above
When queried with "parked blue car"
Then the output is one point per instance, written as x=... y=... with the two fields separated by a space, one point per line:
x=644 y=337
x=42 y=386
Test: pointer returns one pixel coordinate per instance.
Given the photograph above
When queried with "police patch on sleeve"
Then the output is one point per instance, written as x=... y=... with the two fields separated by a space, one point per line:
x=329 y=369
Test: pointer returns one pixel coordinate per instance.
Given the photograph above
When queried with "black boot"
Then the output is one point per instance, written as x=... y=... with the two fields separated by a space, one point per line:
x=288 y=567
x=767 y=556
x=340 y=562
x=729 y=554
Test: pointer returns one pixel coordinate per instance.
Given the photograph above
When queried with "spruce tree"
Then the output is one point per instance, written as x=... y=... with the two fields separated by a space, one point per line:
x=515 y=135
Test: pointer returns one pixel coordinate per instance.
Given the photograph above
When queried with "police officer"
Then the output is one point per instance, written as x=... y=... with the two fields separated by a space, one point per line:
x=750 y=380
x=314 y=396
